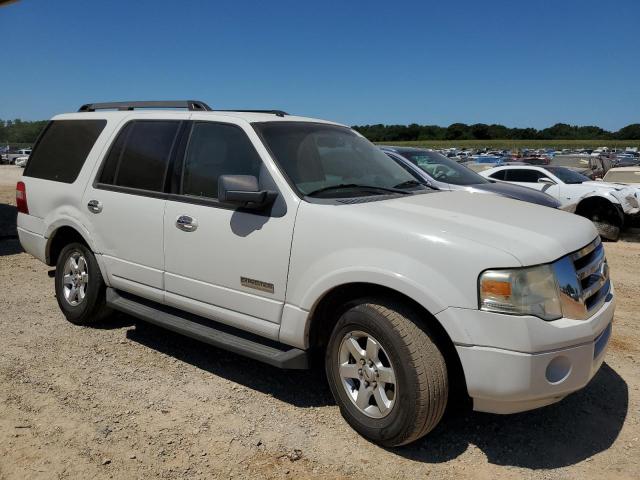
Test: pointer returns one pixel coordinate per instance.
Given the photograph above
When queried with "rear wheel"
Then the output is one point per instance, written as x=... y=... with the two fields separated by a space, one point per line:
x=80 y=290
x=386 y=373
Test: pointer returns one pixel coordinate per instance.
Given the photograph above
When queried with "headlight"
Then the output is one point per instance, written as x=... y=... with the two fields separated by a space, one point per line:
x=521 y=291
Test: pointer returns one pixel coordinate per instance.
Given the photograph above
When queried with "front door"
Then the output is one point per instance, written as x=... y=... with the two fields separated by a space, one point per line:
x=223 y=263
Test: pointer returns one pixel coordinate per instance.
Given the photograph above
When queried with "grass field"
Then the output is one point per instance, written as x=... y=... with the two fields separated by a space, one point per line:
x=518 y=144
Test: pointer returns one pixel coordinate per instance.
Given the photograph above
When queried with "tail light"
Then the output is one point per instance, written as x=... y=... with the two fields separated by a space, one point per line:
x=21 y=198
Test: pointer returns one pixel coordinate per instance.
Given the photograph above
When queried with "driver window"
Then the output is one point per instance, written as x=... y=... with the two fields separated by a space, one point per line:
x=216 y=149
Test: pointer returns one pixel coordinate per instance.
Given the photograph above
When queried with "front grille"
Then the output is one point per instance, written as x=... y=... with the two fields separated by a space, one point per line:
x=583 y=279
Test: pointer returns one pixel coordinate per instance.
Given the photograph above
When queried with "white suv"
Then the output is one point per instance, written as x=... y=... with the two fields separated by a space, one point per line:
x=278 y=236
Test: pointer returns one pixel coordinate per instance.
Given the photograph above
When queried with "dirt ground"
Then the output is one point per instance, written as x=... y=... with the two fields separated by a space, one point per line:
x=127 y=401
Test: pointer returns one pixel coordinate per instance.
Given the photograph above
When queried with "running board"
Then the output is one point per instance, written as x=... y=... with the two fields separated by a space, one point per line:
x=208 y=331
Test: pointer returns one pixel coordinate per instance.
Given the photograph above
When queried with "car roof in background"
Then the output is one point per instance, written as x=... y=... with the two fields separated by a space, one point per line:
x=392 y=148
x=625 y=169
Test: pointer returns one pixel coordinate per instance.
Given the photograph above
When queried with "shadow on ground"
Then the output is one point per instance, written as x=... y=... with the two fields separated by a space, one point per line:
x=8 y=214
x=9 y=246
x=560 y=435
x=302 y=388
x=582 y=425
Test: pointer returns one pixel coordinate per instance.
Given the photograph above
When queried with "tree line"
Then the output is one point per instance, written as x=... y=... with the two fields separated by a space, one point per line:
x=19 y=131
x=481 y=131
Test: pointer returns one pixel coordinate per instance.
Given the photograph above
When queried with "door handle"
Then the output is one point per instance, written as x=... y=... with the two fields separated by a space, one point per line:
x=186 y=223
x=94 y=206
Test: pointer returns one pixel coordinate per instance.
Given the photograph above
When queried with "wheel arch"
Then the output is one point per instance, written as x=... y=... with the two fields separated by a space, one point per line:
x=329 y=307
x=588 y=204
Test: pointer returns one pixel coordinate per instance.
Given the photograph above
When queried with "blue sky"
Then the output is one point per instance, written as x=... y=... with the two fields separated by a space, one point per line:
x=518 y=63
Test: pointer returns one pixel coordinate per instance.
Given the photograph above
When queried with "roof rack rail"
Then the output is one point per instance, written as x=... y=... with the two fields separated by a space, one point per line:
x=192 y=105
x=279 y=113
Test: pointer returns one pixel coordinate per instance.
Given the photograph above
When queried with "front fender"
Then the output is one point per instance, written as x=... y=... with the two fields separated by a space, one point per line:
x=374 y=276
x=606 y=195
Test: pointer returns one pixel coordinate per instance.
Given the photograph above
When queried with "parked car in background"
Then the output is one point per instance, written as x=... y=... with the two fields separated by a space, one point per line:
x=22 y=161
x=10 y=157
x=443 y=173
x=608 y=205
x=287 y=238
x=535 y=160
x=589 y=166
x=624 y=175
x=495 y=160
x=479 y=167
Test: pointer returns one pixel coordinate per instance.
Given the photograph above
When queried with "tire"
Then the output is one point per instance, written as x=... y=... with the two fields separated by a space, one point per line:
x=605 y=216
x=414 y=404
x=88 y=304
x=607 y=230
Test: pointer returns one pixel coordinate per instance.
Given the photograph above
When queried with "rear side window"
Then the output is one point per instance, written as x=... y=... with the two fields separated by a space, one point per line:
x=499 y=175
x=217 y=149
x=524 y=175
x=139 y=157
x=62 y=149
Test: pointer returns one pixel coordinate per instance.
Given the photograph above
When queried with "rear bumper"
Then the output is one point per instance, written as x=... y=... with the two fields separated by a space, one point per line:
x=33 y=243
x=503 y=379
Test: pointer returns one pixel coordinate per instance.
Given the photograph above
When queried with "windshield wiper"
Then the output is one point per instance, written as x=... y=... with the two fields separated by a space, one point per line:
x=413 y=183
x=356 y=186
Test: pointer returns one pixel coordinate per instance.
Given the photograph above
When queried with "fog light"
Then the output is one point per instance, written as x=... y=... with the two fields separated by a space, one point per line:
x=558 y=369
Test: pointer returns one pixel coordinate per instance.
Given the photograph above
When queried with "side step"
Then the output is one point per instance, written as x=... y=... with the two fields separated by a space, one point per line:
x=208 y=331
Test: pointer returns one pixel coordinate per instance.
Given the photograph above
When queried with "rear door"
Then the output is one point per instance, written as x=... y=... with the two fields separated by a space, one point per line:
x=127 y=201
x=230 y=265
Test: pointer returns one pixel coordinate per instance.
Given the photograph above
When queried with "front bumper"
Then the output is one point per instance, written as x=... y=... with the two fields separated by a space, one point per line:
x=533 y=363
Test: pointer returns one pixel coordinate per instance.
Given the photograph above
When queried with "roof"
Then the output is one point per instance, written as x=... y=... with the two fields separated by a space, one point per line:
x=250 y=117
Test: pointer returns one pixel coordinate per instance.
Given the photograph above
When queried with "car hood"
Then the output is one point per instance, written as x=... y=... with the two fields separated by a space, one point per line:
x=518 y=192
x=605 y=185
x=531 y=233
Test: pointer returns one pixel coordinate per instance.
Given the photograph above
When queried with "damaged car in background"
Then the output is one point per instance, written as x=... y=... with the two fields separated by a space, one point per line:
x=437 y=171
x=610 y=206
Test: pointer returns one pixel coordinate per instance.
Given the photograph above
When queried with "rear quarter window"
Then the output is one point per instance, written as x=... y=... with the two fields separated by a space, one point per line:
x=62 y=149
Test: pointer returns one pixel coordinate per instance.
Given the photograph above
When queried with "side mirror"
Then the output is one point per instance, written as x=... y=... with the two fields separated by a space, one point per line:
x=546 y=181
x=243 y=191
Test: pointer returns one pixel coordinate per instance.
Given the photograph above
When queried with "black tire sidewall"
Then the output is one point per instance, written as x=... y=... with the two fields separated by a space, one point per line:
x=382 y=430
x=81 y=313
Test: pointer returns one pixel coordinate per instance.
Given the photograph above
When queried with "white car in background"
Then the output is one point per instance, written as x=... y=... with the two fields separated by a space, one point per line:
x=608 y=205
x=22 y=161
x=624 y=175
x=11 y=157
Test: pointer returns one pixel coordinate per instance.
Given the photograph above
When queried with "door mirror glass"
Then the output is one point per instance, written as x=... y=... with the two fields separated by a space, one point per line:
x=243 y=191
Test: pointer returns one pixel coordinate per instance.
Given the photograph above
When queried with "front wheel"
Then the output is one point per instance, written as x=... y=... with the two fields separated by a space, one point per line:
x=80 y=290
x=386 y=373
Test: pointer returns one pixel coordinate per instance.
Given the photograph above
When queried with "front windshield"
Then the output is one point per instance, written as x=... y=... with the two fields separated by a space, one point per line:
x=567 y=175
x=330 y=161
x=442 y=169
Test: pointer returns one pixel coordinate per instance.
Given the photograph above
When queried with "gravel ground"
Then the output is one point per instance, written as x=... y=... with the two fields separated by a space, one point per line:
x=124 y=401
